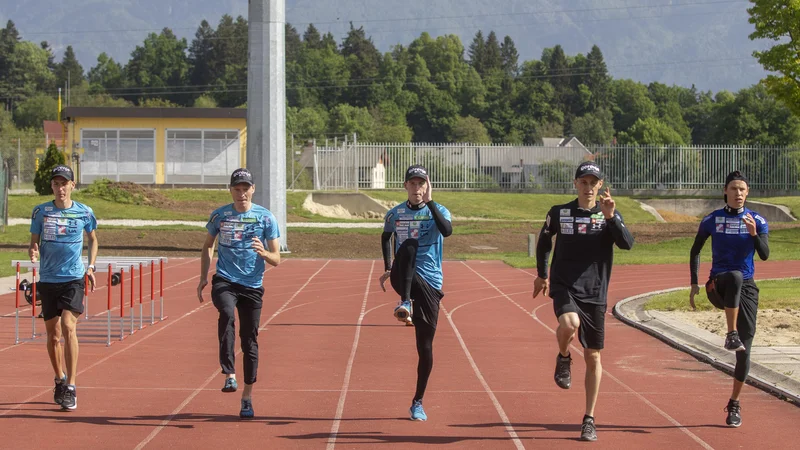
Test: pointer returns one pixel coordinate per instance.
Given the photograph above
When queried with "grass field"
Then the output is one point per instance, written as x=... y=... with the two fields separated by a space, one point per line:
x=783 y=244
x=774 y=294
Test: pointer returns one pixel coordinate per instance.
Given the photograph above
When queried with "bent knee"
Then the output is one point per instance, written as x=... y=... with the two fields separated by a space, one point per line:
x=592 y=357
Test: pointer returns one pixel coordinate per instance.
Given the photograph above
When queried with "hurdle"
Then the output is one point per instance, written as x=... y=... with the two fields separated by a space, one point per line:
x=108 y=265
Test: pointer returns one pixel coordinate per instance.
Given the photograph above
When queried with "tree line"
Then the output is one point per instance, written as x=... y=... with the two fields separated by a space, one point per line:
x=434 y=89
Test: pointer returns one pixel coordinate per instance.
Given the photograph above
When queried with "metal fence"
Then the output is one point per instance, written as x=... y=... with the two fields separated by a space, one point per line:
x=118 y=155
x=353 y=166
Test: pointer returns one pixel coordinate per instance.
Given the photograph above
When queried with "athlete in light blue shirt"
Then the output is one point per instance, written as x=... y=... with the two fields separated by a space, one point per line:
x=418 y=227
x=247 y=236
x=57 y=230
x=737 y=233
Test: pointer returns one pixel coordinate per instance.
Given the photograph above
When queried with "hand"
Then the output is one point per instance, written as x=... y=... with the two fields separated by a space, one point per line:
x=383 y=279
x=90 y=276
x=258 y=246
x=695 y=291
x=607 y=204
x=200 y=286
x=33 y=252
x=750 y=222
x=540 y=285
x=426 y=197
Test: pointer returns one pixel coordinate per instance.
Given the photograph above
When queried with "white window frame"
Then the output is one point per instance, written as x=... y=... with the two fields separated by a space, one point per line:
x=118 y=130
x=202 y=131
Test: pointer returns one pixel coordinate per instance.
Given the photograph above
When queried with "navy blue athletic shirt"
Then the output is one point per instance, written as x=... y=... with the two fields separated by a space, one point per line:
x=732 y=246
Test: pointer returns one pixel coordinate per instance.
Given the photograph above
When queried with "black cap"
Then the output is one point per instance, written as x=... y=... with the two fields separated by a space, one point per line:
x=588 y=168
x=62 y=171
x=241 y=176
x=735 y=175
x=416 y=171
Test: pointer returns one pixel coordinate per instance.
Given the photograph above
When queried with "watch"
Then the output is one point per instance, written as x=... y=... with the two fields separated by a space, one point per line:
x=91 y=266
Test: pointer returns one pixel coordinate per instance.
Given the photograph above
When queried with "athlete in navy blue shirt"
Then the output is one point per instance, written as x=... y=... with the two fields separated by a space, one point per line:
x=419 y=227
x=737 y=233
x=248 y=237
x=57 y=229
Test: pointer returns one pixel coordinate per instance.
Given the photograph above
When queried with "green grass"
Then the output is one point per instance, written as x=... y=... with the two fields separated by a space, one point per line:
x=774 y=294
x=793 y=203
x=221 y=196
x=784 y=245
x=21 y=206
x=5 y=263
x=511 y=206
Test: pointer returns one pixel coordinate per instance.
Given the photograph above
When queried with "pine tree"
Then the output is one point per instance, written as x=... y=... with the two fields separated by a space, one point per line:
x=41 y=181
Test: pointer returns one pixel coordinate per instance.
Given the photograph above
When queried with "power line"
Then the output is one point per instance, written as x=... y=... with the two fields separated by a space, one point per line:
x=417 y=18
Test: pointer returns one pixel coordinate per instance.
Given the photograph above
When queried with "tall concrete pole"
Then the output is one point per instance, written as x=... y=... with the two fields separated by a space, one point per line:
x=266 y=106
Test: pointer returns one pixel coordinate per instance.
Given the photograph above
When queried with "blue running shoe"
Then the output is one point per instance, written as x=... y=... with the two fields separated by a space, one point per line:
x=403 y=310
x=247 y=409
x=230 y=385
x=417 y=413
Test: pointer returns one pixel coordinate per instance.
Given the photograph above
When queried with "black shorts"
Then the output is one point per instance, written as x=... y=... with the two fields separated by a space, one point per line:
x=748 y=305
x=425 y=298
x=56 y=297
x=592 y=330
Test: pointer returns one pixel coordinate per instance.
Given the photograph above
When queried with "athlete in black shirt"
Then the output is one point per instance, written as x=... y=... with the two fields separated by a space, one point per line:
x=586 y=231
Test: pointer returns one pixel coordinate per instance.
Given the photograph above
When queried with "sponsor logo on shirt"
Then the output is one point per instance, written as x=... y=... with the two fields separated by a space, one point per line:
x=566 y=219
x=565 y=212
x=583 y=220
x=719 y=219
x=582 y=228
x=720 y=226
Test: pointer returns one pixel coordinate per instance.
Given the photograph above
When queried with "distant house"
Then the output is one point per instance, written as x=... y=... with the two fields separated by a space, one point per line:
x=562 y=142
x=54 y=132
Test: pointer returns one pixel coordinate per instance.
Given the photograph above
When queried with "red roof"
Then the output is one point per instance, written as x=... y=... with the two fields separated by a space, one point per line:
x=53 y=129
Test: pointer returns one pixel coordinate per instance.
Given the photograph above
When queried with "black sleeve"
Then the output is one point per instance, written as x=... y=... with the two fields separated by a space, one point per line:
x=386 y=248
x=762 y=246
x=694 y=255
x=444 y=225
x=622 y=236
x=545 y=244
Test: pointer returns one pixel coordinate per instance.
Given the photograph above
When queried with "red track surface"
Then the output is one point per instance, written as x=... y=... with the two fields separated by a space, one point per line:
x=336 y=369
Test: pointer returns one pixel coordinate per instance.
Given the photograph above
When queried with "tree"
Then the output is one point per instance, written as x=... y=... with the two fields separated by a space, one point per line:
x=34 y=111
x=201 y=57
x=469 y=130
x=346 y=119
x=205 y=101
x=29 y=73
x=594 y=128
x=598 y=80
x=293 y=43
x=9 y=38
x=510 y=57
x=69 y=69
x=106 y=76
x=41 y=181
x=779 y=20
x=477 y=52
x=650 y=131
x=312 y=38
x=493 y=58
x=631 y=104
x=363 y=63
x=229 y=61
x=160 y=64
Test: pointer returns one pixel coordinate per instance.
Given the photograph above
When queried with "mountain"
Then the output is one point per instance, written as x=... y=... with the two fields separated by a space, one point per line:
x=700 y=42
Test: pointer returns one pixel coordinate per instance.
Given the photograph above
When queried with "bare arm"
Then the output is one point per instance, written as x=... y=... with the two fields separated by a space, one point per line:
x=272 y=254
x=205 y=264
x=33 y=248
x=94 y=245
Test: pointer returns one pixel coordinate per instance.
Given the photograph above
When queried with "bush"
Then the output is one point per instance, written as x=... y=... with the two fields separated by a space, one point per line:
x=54 y=157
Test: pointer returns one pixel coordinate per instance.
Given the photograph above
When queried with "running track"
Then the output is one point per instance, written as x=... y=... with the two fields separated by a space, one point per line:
x=337 y=371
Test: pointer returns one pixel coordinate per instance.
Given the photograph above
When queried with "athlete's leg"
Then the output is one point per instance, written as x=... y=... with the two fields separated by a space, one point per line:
x=404 y=268
x=69 y=321
x=54 y=349
x=568 y=324
x=223 y=295
x=249 y=306
x=424 y=333
x=730 y=286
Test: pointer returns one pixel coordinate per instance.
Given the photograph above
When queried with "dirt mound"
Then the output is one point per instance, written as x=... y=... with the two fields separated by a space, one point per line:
x=673 y=217
x=337 y=211
x=128 y=193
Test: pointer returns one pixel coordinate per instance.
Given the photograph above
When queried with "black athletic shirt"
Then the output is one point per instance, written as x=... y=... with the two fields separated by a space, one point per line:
x=584 y=250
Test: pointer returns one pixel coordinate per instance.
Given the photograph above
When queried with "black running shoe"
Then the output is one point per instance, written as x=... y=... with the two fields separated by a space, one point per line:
x=734 y=413
x=733 y=343
x=58 y=391
x=563 y=376
x=588 y=430
x=70 y=399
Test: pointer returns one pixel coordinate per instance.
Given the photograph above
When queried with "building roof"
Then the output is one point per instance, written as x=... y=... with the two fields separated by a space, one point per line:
x=73 y=112
x=53 y=129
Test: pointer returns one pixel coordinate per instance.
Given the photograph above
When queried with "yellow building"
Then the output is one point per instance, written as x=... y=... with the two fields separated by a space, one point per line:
x=188 y=146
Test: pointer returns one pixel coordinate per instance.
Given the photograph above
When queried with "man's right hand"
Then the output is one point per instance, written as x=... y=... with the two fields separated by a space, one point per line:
x=695 y=290
x=33 y=252
x=540 y=285
x=200 y=287
x=383 y=279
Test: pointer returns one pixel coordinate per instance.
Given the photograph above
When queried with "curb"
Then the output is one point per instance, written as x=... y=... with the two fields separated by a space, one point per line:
x=753 y=380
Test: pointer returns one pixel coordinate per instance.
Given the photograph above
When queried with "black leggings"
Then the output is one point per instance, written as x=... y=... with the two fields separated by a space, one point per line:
x=227 y=297
x=409 y=285
x=732 y=291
